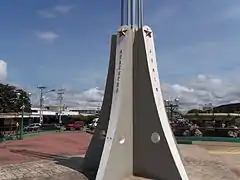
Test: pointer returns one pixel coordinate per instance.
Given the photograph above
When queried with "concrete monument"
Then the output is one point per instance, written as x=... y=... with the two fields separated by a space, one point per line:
x=133 y=137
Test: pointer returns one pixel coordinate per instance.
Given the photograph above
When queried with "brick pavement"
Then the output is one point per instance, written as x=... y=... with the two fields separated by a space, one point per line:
x=200 y=165
x=39 y=170
x=44 y=147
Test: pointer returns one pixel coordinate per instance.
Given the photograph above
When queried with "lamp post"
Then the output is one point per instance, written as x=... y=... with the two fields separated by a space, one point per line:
x=30 y=113
x=60 y=98
x=41 y=100
x=171 y=107
x=22 y=113
x=22 y=119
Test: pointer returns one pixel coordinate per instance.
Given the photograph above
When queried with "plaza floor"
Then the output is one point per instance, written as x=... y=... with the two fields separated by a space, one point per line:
x=46 y=146
x=59 y=157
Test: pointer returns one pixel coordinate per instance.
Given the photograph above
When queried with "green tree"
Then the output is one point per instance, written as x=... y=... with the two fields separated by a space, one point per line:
x=195 y=111
x=10 y=101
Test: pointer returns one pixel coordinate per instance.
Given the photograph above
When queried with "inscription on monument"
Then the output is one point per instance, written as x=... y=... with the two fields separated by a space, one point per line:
x=119 y=71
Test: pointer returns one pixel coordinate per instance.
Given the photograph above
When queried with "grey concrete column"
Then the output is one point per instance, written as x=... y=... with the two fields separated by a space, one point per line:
x=94 y=152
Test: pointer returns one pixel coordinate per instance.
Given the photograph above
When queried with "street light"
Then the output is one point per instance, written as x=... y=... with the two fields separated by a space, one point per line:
x=171 y=106
x=22 y=113
x=29 y=117
x=41 y=99
x=60 y=98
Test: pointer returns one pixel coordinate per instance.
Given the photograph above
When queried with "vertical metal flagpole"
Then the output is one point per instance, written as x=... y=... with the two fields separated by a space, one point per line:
x=122 y=12
x=131 y=13
x=141 y=12
x=128 y=12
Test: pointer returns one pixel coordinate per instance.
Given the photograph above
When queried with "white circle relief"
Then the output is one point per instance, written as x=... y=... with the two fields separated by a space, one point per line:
x=122 y=140
x=155 y=137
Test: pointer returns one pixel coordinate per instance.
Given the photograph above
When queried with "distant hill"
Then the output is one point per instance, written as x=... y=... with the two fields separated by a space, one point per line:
x=226 y=108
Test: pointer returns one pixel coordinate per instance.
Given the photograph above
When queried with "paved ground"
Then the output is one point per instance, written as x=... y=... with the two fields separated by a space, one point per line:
x=51 y=159
x=202 y=164
x=46 y=146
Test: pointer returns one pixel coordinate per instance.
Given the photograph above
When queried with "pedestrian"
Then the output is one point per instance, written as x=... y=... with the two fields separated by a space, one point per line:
x=17 y=130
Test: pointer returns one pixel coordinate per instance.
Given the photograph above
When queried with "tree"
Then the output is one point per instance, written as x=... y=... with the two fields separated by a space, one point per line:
x=195 y=111
x=11 y=102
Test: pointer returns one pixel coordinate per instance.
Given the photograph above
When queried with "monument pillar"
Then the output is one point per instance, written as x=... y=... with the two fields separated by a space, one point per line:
x=139 y=140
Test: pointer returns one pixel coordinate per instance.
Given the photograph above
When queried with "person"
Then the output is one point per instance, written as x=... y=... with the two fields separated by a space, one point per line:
x=17 y=130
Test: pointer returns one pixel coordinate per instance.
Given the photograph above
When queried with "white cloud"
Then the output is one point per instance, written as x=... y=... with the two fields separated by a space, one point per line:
x=192 y=93
x=89 y=99
x=63 y=8
x=55 y=11
x=3 y=70
x=232 y=12
x=203 y=89
x=48 y=36
x=46 y=14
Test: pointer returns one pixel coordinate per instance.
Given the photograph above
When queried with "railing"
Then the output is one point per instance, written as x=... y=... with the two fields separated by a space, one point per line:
x=8 y=133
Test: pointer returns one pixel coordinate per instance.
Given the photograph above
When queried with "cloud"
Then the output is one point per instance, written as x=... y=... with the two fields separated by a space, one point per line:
x=46 y=14
x=162 y=14
x=203 y=89
x=230 y=13
x=192 y=93
x=63 y=8
x=89 y=99
x=48 y=36
x=3 y=70
x=55 y=11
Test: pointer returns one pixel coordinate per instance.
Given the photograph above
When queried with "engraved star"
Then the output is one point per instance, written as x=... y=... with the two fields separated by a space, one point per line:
x=148 y=33
x=122 y=32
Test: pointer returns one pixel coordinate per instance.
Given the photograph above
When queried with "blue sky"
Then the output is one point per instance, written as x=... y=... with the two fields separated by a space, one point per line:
x=65 y=43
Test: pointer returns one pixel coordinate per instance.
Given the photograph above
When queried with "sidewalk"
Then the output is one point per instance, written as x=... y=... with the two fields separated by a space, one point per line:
x=40 y=170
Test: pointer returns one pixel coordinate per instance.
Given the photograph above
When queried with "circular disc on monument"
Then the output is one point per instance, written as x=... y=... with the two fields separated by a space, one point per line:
x=155 y=137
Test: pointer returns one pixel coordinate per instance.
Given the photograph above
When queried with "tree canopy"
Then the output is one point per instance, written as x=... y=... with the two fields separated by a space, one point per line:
x=12 y=99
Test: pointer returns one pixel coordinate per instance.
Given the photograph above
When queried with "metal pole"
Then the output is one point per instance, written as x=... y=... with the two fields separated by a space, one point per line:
x=22 y=119
x=131 y=13
x=128 y=12
x=41 y=105
x=60 y=96
x=60 y=109
x=138 y=14
x=141 y=13
x=122 y=12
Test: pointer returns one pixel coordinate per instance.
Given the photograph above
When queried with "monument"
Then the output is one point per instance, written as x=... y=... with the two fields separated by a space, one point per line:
x=133 y=137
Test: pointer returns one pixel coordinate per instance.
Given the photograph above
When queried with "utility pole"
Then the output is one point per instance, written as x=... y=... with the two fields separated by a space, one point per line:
x=41 y=100
x=60 y=98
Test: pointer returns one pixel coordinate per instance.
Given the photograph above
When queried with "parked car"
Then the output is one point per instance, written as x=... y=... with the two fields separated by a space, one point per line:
x=77 y=125
x=33 y=127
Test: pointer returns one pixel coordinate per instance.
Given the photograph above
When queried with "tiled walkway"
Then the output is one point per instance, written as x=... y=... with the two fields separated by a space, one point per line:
x=39 y=170
x=48 y=157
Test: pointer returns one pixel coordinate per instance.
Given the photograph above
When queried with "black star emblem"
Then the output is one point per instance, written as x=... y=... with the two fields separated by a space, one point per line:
x=122 y=32
x=148 y=33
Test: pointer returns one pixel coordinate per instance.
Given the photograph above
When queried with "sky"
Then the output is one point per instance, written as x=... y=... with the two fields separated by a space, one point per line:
x=66 y=44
